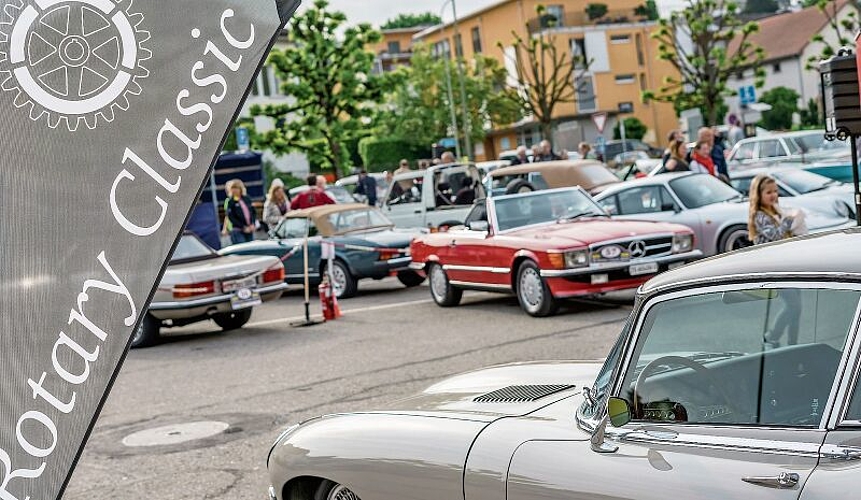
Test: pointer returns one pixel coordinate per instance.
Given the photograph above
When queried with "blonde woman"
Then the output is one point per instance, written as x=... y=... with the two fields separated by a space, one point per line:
x=766 y=222
x=240 y=212
x=276 y=206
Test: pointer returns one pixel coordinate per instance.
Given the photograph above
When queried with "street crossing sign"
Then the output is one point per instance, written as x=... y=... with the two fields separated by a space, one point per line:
x=600 y=120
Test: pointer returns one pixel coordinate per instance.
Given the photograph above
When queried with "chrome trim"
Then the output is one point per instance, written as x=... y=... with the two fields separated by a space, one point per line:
x=399 y=261
x=417 y=266
x=480 y=286
x=847 y=384
x=664 y=259
x=783 y=481
x=629 y=239
x=272 y=495
x=835 y=452
x=704 y=441
x=714 y=280
x=206 y=301
x=478 y=269
x=301 y=276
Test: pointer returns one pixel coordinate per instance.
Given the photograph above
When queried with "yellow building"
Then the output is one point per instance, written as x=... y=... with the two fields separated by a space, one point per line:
x=624 y=62
x=395 y=48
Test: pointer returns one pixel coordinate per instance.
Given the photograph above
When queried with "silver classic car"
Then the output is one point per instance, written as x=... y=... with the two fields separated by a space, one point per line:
x=734 y=377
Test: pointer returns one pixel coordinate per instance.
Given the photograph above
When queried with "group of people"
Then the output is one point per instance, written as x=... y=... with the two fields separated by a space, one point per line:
x=544 y=152
x=240 y=217
x=707 y=157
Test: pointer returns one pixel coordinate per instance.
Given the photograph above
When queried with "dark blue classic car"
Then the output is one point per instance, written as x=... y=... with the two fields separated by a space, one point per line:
x=366 y=246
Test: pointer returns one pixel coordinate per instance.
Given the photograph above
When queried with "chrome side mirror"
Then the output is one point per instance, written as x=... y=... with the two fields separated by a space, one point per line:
x=618 y=413
x=479 y=225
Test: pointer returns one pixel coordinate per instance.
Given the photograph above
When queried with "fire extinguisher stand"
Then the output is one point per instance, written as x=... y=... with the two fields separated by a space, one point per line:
x=308 y=321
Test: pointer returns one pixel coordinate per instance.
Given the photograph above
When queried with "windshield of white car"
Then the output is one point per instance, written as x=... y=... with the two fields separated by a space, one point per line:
x=190 y=247
x=803 y=181
x=697 y=191
x=358 y=220
x=539 y=207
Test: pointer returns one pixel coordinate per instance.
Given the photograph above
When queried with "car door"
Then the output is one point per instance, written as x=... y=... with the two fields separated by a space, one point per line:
x=470 y=256
x=653 y=203
x=721 y=414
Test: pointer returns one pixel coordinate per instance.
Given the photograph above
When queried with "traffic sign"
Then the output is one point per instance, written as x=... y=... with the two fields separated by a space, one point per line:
x=600 y=120
x=243 y=141
x=747 y=95
x=599 y=144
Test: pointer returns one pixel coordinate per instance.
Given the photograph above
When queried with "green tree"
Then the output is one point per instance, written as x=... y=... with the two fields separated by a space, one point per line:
x=761 y=6
x=419 y=111
x=545 y=75
x=784 y=103
x=810 y=115
x=328 y=74
x=844 y=28
x=596 y=10
x=706 y=42
x=411 y=21
x=649 y=10
x=634 y=129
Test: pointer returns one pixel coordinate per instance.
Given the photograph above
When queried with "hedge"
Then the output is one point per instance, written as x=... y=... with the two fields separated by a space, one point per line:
x=379 y=154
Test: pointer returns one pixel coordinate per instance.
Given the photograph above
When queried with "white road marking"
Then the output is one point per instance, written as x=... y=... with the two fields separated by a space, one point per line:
x=343 y=312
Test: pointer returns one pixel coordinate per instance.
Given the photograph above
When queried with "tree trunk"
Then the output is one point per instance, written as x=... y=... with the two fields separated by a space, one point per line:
x=547 y=130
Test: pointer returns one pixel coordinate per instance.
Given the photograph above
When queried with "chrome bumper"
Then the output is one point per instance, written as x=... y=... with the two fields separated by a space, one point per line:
x=206 y=301
x=417 y=266
x=272 y=495
x=597 y=268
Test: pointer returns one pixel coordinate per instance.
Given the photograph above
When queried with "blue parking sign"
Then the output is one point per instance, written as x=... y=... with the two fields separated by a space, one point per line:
x=747 y=94
x=243 y=141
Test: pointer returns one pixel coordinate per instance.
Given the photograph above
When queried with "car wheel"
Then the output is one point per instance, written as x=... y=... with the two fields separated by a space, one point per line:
x=410 y=278
x=733 y=238
x=533 y=293
x=343 y=283
x=519 y=186
x=147 y=332
x=443 y=293
x=329 y=490
x=232 y=320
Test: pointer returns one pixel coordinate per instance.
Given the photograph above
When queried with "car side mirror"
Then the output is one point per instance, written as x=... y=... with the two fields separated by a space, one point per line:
x=479 y=225
x=619 y=412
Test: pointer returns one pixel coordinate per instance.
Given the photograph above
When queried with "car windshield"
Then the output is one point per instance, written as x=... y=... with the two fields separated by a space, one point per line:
x=700 y=190
x=745 y=356
x=294 y=227
x=191 y=247
x=815 y=141
x=539 y=207
x=358 y=220
x=803 y=181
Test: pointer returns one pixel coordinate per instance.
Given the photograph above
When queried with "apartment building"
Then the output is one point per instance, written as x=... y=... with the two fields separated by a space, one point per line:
x=618 y=43
x=395 y=48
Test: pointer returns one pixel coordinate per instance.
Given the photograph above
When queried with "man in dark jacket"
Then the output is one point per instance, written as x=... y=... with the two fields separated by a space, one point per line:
x=367 y=186
x=521 y=158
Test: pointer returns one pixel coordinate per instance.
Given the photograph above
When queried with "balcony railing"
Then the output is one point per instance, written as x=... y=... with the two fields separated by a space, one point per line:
x=617 y=16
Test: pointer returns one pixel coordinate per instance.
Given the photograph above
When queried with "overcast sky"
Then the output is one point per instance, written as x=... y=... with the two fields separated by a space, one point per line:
x=377 y=12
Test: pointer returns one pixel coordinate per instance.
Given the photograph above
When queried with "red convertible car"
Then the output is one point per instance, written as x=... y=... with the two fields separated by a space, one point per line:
x=544 y=246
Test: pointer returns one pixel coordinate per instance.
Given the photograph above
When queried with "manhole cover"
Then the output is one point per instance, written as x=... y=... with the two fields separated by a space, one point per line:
x=175 y=434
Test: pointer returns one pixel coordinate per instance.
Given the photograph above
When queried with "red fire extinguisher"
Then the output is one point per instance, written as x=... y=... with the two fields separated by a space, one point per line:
x=328 y=301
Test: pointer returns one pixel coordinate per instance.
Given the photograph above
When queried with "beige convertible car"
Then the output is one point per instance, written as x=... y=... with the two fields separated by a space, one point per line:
x=734 y=377
x=199 y=285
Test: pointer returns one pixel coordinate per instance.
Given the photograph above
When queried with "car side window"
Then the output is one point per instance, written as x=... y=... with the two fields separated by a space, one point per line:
x=667 y=201
x=478 y=213
x=742 y=184
x=747 y=357
x=403 y=192
x=771 y=149
x=745 y=152
x=610 y=205
x=641 y=200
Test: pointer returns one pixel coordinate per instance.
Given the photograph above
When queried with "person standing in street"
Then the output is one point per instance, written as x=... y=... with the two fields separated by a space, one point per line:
x=736 y=133
x=313 y=197
x=701 y=160
x=240 y=212
x=522 y=158
x=676 y=162
x=367 y=186
x=547 y=153
x=585 y=151
x=276 y=205
x=675 y=135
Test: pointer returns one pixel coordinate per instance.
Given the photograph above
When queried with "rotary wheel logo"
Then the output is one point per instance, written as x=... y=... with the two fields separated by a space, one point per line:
x=72 y=61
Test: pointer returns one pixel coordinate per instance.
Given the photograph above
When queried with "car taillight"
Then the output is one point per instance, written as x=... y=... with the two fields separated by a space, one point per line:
x=193 y=289
x=276 y=274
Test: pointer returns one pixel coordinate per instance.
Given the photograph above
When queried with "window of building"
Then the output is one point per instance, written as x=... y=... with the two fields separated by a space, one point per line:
x=394 y=47
x=578 y=51
x=442 y=49
x=626 y=107
x=643 y=81
x=554 y=16
x=638 y=41
x=585 y=93
x=458 y=45
x=620 y=39
x=625 y=79
x=776 y=67
x=476 y=40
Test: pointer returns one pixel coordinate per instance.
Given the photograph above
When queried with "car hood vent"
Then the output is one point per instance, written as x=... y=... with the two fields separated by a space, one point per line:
x=520 y=393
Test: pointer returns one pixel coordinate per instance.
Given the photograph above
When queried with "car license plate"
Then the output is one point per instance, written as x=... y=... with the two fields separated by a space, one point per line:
x=233 y=285
x=646 y=268
x=245 y=298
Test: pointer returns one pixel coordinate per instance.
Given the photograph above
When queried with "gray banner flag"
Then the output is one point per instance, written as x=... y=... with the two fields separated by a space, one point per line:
x=112 y=114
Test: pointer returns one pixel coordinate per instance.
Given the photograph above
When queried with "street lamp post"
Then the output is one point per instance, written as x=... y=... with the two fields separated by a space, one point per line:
x=467 y=123
x=451 y=106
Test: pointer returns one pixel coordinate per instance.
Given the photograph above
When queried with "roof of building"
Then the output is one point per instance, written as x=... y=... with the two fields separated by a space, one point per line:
x=433 y=29
x=830 y=255
x=786 y=35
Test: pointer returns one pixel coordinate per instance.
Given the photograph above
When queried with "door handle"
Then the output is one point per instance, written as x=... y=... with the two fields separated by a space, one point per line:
x=417 y=212
x=452 y=244
x=784 y=480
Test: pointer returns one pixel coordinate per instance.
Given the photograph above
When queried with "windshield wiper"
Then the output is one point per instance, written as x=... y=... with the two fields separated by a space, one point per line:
x=565 y=218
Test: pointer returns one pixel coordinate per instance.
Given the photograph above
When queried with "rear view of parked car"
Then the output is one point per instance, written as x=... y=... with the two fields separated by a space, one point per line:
x=200 y=285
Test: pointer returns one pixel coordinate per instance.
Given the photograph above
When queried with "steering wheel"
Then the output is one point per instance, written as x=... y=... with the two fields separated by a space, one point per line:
x=696 y=366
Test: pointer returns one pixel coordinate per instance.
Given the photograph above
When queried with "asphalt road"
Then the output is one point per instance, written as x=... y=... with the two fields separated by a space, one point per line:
x=391 y=342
